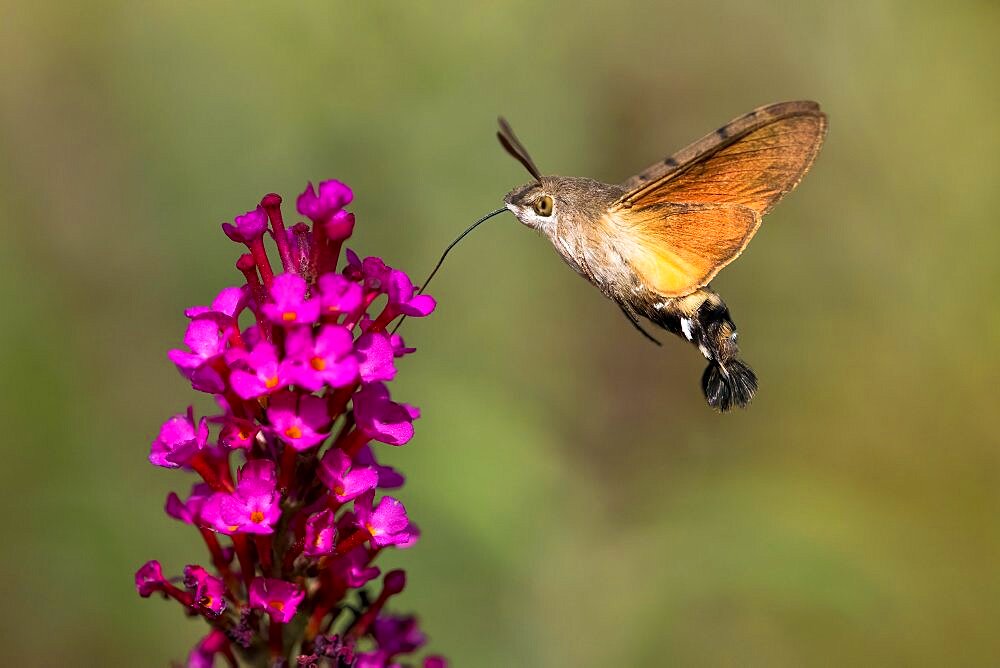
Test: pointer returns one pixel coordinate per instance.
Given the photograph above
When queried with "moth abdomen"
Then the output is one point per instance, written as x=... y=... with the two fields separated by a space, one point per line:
x=703 y=319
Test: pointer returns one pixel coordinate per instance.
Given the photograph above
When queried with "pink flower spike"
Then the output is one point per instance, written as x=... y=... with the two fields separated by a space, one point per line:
x=382 y=419
x=249 y=227
x=179 y=441
x=208 y=591
x=327 y=360
x=387 y=522
x=277 y=598
x=149 y=579
x=338 y=294
x=377 y=358
x=290 y=306
x=266 y=374
x=342 y=478
x=321 y=534
x=299 y=421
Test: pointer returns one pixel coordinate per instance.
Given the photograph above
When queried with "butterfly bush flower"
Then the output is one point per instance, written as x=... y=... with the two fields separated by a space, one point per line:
x=288 y=490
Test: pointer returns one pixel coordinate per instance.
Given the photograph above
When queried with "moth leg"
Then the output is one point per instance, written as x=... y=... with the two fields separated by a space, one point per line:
x=635 y=323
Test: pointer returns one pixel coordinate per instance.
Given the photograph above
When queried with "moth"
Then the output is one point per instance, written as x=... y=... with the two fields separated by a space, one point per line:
x=653 y=243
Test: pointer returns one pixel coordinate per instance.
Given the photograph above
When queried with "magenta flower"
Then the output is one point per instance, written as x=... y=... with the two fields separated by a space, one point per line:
x=399 y=348
x=238 y=433
x=188 y=511
x=357 y=571
x=290 y=524
x=397 y=634
x=338 y=294
x=387 y=522
x=149 y=579
x=377 y=357
x=321 y=208
x=290 y=305
x=179 y=441
x=203 y=654
x=382 y=419
x=210 y=514
x=402 y=300
x=279 y=599
x=372 y=272
x=344 y=480
x=207 y=590
x=321 y=534
x=207 y=344
x=249 y=227
x=254 y=506
x=300 y=421
x=328 y=359
x=225 y=308
x=265 y=373
x=388 y=477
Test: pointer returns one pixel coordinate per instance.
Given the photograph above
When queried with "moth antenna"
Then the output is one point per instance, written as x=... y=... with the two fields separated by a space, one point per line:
x=513 y=145
x=445 y=254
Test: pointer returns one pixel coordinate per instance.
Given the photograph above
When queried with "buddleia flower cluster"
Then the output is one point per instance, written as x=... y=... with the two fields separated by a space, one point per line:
x=289 y=496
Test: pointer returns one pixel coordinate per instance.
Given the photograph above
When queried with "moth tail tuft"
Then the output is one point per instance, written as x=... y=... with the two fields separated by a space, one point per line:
x=728 y=385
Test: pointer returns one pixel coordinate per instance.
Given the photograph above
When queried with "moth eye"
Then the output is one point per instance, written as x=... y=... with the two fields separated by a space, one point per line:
x=543 y=206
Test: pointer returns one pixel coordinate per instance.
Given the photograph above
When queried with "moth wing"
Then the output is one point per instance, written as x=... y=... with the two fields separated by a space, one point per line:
x=675 y=248
x=753 y=161
x=693 y=213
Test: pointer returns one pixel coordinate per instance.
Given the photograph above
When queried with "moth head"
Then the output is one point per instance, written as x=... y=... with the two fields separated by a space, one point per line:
x=535 y=204
x=532 y=203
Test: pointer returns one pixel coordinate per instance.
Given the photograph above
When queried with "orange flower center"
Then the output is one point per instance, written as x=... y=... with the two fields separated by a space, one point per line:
x=317 y=363
x=289 y=316
x=277 y=605
x=293 y=432
x=271 y=382
x=256 y=517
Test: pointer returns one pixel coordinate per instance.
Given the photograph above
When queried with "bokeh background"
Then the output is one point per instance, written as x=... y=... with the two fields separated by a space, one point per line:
x=580 y=504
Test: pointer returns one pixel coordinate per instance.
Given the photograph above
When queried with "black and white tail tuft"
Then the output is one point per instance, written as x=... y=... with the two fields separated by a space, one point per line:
x=703 y=319
x=728 y=385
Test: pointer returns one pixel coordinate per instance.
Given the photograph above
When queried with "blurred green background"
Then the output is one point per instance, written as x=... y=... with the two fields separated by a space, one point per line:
x=581 y=506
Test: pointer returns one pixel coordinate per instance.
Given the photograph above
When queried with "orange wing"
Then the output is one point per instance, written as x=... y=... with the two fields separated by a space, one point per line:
x=728 y=180
x=676 y=248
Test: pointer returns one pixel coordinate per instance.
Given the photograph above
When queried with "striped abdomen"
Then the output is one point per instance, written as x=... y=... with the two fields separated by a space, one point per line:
x=703 y=319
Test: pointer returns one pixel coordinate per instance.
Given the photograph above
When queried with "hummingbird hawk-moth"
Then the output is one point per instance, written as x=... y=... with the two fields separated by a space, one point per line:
x=654 y=242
